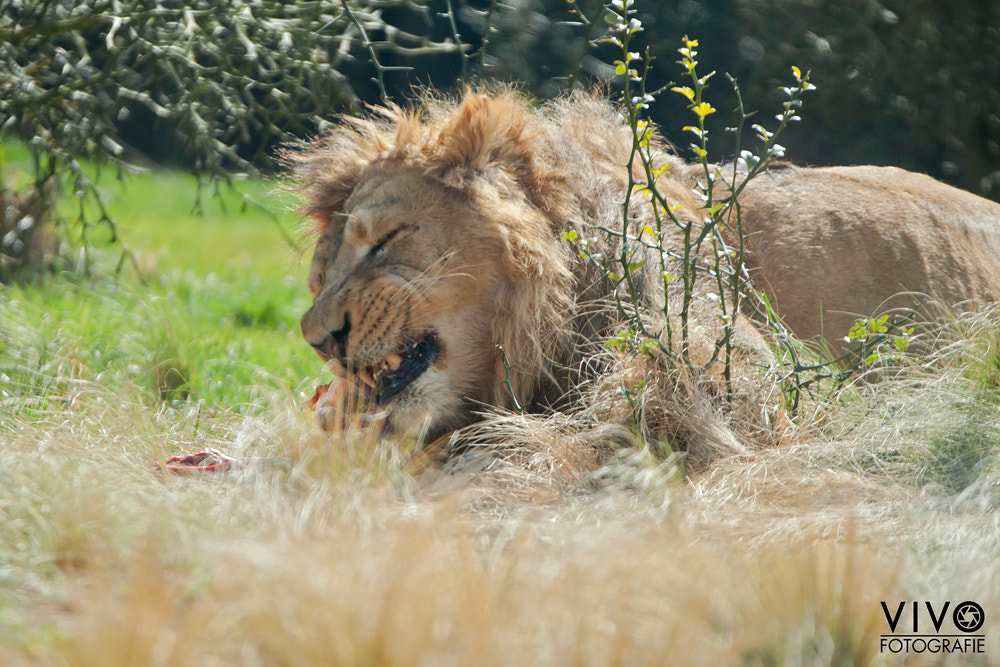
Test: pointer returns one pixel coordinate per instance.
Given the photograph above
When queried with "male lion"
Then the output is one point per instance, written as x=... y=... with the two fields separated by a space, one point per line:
x=442 y=285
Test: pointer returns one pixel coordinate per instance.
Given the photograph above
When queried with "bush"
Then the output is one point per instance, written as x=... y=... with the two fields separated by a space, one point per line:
x=222 y=80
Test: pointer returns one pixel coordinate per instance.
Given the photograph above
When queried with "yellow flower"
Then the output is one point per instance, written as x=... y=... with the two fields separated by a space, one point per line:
x=644 y=132
x=661 y=169
x=685 y=91
x=690 y=43
x=797 y=72
x=703 y=109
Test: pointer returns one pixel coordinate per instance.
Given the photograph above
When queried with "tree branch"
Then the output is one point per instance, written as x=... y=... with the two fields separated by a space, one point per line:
x=15 y=36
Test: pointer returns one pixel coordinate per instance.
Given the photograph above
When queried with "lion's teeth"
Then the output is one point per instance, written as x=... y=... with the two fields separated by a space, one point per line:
x=365 y=375
x=394 y=360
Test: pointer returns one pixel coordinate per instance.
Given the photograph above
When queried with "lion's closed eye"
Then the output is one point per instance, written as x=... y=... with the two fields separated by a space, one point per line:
x=380 y=245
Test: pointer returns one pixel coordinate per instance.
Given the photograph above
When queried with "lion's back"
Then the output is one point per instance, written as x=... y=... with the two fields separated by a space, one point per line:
x=831 y=244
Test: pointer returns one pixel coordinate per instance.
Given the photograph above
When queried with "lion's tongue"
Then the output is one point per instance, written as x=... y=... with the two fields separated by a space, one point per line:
x=317 y=395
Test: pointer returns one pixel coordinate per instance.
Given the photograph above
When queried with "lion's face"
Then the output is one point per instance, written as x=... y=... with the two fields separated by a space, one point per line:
x=405 y=282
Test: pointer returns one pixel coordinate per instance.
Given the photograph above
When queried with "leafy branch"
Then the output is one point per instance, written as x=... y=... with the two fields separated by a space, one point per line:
x=703 y=259
x=227 y=79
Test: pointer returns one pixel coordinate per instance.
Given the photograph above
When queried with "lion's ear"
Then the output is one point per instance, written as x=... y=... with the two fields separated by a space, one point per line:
x=484 y=131
x=500 y=133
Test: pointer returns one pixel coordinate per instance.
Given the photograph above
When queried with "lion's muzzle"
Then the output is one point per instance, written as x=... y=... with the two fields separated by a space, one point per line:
x=333 y=345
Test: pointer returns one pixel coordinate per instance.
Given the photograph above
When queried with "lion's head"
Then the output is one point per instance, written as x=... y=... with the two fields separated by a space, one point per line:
x=440 y=281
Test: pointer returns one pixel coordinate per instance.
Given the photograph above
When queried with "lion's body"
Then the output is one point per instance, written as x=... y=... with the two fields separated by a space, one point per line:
x=833 y=244
x=440 y=265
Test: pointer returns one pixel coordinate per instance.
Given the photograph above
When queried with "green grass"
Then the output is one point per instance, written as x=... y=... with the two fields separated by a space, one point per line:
x=207 y=311
x=162 y=213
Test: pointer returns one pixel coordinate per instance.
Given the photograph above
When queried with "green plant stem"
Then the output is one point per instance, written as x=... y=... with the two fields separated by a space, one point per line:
x=379 y=68
x=464 y=72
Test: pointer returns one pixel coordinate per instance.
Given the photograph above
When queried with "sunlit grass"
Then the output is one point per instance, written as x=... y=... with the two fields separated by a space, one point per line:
x=205 y=307
x=171 y=227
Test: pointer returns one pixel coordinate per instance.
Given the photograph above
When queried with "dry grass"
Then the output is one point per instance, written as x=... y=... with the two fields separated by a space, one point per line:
x=350 y=556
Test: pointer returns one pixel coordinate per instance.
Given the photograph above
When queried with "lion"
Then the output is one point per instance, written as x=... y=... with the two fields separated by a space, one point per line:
x=444 y=289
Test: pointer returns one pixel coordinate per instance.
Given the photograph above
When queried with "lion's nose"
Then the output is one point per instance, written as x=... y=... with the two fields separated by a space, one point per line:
x=334 y=345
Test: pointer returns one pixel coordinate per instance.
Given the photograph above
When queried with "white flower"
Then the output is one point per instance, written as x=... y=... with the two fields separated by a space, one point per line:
x=762 y=133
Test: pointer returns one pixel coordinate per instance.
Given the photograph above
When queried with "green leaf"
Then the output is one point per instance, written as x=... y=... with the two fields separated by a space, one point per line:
x=621 y=339
x=879 y=325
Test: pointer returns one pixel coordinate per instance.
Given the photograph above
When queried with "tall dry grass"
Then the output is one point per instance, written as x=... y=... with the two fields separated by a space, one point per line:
x=345 y=552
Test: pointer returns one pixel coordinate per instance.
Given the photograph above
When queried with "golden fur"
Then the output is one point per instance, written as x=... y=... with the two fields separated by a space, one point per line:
x=442 y=226
x=833 y=244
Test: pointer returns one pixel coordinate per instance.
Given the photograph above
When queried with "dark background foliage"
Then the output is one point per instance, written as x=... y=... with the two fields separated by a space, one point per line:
x=912 y=83
x=915 y=83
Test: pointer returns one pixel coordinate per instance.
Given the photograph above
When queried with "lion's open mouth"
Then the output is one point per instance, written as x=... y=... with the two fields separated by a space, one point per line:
x=377 y=384
x=399 y=369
